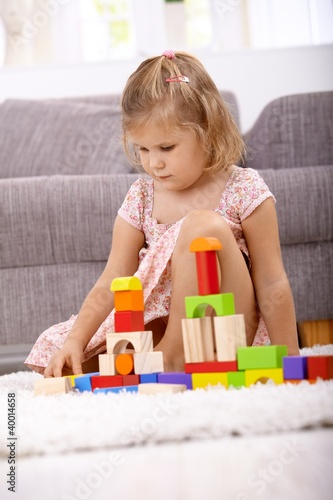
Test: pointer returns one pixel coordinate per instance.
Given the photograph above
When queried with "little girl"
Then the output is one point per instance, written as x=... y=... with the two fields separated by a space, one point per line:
x=176 y=126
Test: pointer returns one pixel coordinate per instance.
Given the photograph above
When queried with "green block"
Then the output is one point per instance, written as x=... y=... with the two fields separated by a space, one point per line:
x=251 y=358
x=222 y=303
x=237 y=379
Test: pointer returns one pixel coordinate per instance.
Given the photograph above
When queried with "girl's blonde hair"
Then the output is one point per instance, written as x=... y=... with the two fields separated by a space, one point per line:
x=149 y=100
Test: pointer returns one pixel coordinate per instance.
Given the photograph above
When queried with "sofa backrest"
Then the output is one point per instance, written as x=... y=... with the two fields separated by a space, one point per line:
x=292 y=131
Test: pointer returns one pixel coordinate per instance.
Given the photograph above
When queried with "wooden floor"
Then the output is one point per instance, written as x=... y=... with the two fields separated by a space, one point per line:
x=315 y=332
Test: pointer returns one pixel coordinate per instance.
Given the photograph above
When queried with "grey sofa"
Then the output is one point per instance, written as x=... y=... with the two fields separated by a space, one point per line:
x=63 y=175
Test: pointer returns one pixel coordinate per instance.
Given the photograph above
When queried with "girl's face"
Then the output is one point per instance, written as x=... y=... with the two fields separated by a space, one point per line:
x=174 y=159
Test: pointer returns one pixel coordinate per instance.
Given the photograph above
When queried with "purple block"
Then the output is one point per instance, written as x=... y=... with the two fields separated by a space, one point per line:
x=295 y=367
x=176 y=378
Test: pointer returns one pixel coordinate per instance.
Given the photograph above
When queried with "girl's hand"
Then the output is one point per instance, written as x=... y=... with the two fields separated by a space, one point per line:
x=68 y=360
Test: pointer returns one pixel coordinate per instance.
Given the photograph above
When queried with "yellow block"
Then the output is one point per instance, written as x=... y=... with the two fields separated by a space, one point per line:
x=263 y=375
x=72 y=378
x=126 y=283
x=205 y=245
x=203 y=380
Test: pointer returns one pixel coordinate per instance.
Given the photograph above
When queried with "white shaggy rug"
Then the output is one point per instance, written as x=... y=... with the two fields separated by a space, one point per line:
x=86 y=421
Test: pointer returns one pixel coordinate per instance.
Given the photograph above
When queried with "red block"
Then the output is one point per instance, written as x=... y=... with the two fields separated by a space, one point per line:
x=131 y=379
x=128 y=321
x=320 y=366
x=211 y=367
x=104 y=381
x=208 y=280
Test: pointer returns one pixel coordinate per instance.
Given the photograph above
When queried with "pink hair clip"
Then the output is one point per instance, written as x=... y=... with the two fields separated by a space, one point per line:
x=169 y=54
x=178 y=79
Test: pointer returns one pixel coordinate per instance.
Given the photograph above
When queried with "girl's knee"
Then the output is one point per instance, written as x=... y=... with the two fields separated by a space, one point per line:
x=203 y=223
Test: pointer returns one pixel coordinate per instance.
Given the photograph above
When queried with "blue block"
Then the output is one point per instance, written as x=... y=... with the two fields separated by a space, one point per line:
x=123 y=388
x=295 y=367
x=149 y=378
x=176 y=378
x=83 y=383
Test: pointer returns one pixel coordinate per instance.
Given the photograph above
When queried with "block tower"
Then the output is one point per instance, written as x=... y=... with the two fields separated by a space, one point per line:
x=202 y=335
x=129 y=330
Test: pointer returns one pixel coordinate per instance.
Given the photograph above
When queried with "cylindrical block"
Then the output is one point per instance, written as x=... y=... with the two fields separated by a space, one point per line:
x=208 y=280
x=124 y=364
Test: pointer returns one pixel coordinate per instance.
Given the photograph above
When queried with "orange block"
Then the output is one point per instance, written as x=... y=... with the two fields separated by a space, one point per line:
x=205 y=245
x=129 y=300
x=124 y=364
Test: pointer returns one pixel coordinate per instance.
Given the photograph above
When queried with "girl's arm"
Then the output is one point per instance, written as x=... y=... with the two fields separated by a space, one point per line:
x=269 y=278
x=123 y=261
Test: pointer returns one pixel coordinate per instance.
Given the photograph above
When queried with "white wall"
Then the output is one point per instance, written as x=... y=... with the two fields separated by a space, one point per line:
x=256 y=77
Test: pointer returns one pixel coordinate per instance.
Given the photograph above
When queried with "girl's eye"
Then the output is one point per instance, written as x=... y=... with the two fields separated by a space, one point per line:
x=167 y=148
x=142 y=149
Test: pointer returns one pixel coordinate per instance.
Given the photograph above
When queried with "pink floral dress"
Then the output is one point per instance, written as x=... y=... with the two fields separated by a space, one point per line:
x=245 y=190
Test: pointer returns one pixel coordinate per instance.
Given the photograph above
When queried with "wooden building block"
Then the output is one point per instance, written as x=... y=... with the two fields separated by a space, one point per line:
x=106 y=381
x=203 y=380
x=151 y=388
x=129 y=321
x=148 y=362
x=117 y=343
x=320 y=367
x=149 y=378
x=72 y=378
x=128 y=300
x=208 y=278
x=176 y=378
x=124 y=364
x=295 y=367
x=198 y=339
x=49 y=386
x=131 y=379
x=126 y=283
x=229 y=332
x=116 y=390
x=83 y=383
x=236 y=379
x=106 y=363
x=203 y=244
x=263 y=375
x=250 y=358
x=222 y=303
x=211 y=367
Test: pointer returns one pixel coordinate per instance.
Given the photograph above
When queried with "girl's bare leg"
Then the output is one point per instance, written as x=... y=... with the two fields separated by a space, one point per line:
x=234 y=278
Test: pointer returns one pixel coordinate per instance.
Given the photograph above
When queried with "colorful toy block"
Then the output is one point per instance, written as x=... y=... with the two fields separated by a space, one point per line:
x=295 y=367
x=131 y=379
x=51 y=386
x=206 y=262
x=204 y=380
x=128 y=321
x=72 y=378
x=229 y=335
x=263 y=375
x=236 y=379
x=198 y=339
x=142 y=341
x=148 y=362
x=129 y=300
x=124 y=364
x=261 y=357
x=148 y=378
x=211 y=367
x=176 y=378
x=320 y=367
x=106 y=363
x=222 y=303
x=156 y=388
x=83 y=383
x=105 y=381
x=126 y=283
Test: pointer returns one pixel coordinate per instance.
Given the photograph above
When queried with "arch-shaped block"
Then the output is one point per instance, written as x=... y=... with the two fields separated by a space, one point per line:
x=126 y=283
x=222 y=303
x=254 y=376
x=116 y=343
x=205 y=245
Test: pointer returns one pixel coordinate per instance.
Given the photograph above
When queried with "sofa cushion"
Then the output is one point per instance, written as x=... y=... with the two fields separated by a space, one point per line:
x=293 y=131
x=50 y=137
